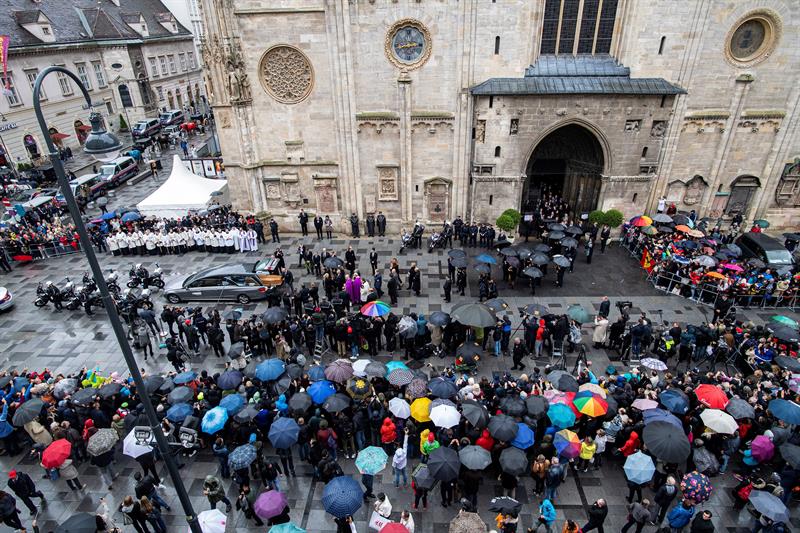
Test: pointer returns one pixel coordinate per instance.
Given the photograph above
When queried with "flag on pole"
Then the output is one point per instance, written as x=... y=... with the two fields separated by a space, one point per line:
x=4 y=42
x=647 y=261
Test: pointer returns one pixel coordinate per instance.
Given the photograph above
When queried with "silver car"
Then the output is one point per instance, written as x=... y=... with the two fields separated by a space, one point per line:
x=229 y=282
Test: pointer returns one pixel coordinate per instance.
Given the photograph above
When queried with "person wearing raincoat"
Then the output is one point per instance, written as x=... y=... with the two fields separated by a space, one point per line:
x=427 y=445
x=547 y=515
x=632 y=445
x=388 y=435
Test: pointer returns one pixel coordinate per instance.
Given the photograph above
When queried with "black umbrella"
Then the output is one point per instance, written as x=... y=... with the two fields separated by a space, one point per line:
x=788 y=363
x=784 y=333
x=510 y=251
x=229 y=380
x=247 y=414
x=84 y=397
x=237 y=349
x=474 y=314
x=665 y=229
x=613 y=407
x=4 y=381
x=542 y=248
x=456 y=252
x=533 y=272
x=734 y=249
x=167 y=386
x=791 y=454
x=513 y=261
x=475 y=413
x=299 y=403
x=444 y=464
x=475 y=457
x=539 y=259
x=282 y=384
x=505 y=505
x=569 y=242
x=483 y=268
x=556 y=235
x=152 y=383
x=333 y=262
x=469 y=349
x=180 y=395
x=336 y=403
x=513 y=406
x=78 y=523
x=442 y=388
x=524 y=252
x=294 y=370
x=563 y=381
x=561 y=261
x=233 y=314
x=459 y=262
x=108 y=390
x=532 y=309
x=573 y=230
x=503 y=427
x=680 y=219
x=665 y=443
x=537 y=406
x=496 y=304
x=28 y=411
x=740 y=409
x=423 y=478
x=514 y=461
x=555 y=226
x=274 y=315
x=439 y=318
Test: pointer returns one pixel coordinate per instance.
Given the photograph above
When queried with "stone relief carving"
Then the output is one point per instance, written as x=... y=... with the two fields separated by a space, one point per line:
x=238 y=84
x=325 y=192
x=514 y=128
x=659 y=129
x=387 y=184
x=273 y=191
x=286 y=74
x=295 y=151
x=633 y=126
x=437 y=192
x=756 y=125
x=480 y=131
x=695 y=189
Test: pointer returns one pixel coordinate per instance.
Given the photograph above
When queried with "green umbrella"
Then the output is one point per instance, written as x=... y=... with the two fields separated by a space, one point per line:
x=371 y=460
x=761 y=223
x=577 y=313
x=785 y=320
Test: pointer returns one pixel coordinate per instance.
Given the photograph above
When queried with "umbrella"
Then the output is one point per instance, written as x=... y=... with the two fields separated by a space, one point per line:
x=705 y=260
x=567 y=444
x=486 y=258
x=594 y=389
x=784 y=333
x=439 y=318
x=229 y=380
x=592 y=405
x=459 y=262
x=214 y=420
x=555 y=235
x=242 y=457
x=740 y=409
x=643 y=404
x=131 y=448
x=283 y=432
x=524 y=438
x=108 y=390
x=233 y=403
x=78 y=523
x=465 y=522
x=274 y=315
x=654 y=364
x=510 y=251
x=320 y=390
x=475 y=413
x=654 y=415
x=696 y=487
x=371 y=460
x=300 y=402
x=358 y=388
x=376 y=369
x=483 y=268
x=563 y=381
x=475 y=457
x=469 y=349
x=719 y=421
x=785 y=320
x=342 y=496
x=539 y=259
x=236 y=350
x=665 y=443
x=456 y=252
x=184 y=377
x=442 y=388
x=580 y=315
x=533 y=272
x=56 y=453
x=675 y=401
x=286 y=527
x=662 y=218
x=505 y=505
x=555 y=226
x=399 y=408
x=513 y=406
x=400 y=376
x=533 y=309
x=294 y=371
x=247 y=414
x=84 y=397
x=233 y=314
x=282 y=384
x=474 y=314
x=665 y=229
x=573 y=230
x=166 y=387
x=561 y=261
x=568 y=242
x=445 y=416
x=791 y=454
x=641 y=221
x=270 y=504
x=392 y=365
x=422 y=477
x=763 y=224
x=131 y=217
x=63 y=388
x=336 y=403
x=212 y=521
x=639 y=468
x=561 y=415
x=770 y=506
x=177 y=413
x=762 y=448
x=503 y=427
x=650 y=230
x=28 y=411
x=375 y=308
x=444 y=464
x=514 y=461
x=711 y=396
x=333 y=262
x=102 y=441
x=359 y=368
x=421 y=409
x=339 y=371
x=537 y=406
x=496 y=304
x=417 y=388
x=733 y=266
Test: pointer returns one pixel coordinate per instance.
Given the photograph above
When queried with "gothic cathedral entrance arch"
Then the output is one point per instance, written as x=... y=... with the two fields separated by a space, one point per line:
x=567 y=162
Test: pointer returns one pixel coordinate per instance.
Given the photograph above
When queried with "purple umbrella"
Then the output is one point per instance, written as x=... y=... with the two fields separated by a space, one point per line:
x=270 y=504
x=762 y=448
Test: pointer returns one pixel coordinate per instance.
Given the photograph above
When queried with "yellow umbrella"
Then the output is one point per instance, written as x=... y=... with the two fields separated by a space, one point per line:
x=595 y=389
x=421 y=409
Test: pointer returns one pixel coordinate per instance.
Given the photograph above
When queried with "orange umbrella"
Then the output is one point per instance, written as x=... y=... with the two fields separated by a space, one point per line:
x=695 y=233
x=715 y=275
x=682 y=227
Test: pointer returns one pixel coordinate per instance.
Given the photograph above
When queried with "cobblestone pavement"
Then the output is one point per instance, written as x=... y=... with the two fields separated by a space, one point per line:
x=63 y=341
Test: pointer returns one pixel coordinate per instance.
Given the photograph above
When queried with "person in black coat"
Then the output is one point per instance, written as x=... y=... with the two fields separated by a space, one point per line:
x=303 y=217
x=605 y=307
x=381 y=221
x=447 y=287
x=597 y=515
x=354 y=225
x=24 y=487
x=318 y=226
x=273 y=230
x=393 y=288
x=702 y=523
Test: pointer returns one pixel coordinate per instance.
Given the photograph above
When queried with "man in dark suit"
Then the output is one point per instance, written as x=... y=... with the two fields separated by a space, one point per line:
x=373 y=260
x=303 y=216
x=318 y=226
x=605 y=307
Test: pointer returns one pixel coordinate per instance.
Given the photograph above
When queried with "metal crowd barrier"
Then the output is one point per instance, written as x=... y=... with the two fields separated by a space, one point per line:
x=45 y=251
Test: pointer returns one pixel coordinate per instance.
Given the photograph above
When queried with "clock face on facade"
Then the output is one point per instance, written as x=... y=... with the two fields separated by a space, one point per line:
x=408 y=44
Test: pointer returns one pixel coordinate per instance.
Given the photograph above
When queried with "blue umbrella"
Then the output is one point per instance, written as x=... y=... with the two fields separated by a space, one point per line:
x=560 y=415
x=342 y=496
x=20 y=382
x=639 y=468
x=524 y=438
x=184 y=377
x=320 y=391
x=485 y=258
x=785 y=410
x=242 y=457
x=233 y=403
x=675 y=401
x=284 y=432
x=316 y=373
x=108 y=216
x=178 y=412
x=680 y=259
x=270 y=369
x=131 y=217
x=229 y=380
x=214 y=420
x=653 y=415
x=392 y=365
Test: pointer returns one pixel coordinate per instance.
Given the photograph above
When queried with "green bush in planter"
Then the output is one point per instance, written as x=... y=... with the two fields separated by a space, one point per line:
x=505 y=222
x=515 y=216
x=613 y=218
x=596 y=216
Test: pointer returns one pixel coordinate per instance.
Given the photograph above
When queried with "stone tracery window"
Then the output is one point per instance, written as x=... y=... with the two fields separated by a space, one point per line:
x=578 y=27
x=286 y=74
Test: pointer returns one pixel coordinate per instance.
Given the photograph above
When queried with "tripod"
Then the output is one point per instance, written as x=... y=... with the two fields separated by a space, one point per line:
x=581 y=359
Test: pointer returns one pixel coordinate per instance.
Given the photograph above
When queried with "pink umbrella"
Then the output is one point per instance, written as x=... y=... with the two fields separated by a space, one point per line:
x=762 y=448
x=553 y=394
x=733 y=266
x=643 y=404
x=270 y=504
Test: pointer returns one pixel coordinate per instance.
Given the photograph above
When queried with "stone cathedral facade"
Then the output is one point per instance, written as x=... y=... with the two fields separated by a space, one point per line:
x=431 y=109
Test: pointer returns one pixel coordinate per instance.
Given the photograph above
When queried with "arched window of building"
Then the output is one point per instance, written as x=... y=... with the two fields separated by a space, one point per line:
x=661 y=44
x=497 y=151
x=125 y=96
x=497 y=45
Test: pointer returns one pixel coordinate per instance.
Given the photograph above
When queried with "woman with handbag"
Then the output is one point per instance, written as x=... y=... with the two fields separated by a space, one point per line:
x=132 y=514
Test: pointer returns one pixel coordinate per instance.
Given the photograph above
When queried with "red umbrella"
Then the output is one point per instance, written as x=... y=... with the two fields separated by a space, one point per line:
x=55 y=454
x=394 y=527
x=711 y=396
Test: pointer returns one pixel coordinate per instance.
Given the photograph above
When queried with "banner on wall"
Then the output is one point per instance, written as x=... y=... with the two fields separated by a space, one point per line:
x=5 y=40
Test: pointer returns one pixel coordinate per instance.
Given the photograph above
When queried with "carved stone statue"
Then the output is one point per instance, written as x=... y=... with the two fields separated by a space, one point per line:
x=233 y=83
x=659 y=129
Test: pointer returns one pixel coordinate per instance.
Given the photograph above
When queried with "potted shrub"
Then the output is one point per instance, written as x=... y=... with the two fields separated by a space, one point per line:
x=508 y=221
x=613 y=218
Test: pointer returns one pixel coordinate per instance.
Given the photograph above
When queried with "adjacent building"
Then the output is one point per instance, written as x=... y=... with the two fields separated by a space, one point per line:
x=430 y=109
x=133 y=56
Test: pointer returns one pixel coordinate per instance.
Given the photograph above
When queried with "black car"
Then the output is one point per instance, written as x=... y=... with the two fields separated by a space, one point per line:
x=768 y=249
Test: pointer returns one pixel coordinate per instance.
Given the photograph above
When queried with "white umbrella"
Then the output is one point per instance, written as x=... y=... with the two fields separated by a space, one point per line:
x=654 y=364
x=407 y=327
x=399 y=408
x=212 y=521
x=719 y=421
x=131 y=448
x=445 y=416
x=359 y=367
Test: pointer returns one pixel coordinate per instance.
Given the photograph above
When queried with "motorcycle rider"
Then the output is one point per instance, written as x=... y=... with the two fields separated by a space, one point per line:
x=54 y=293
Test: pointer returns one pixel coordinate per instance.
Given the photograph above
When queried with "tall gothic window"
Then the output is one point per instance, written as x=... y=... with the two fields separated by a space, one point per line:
x=578 y=26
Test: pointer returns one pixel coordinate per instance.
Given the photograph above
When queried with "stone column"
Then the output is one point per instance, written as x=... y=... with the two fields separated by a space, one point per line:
x=406 y=178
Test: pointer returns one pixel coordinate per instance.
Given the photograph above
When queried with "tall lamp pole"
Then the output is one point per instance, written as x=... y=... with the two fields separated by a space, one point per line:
x=98 y=142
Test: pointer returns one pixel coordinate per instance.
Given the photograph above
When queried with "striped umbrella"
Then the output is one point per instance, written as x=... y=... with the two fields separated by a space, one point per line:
x=567 y=444
x=339 y=371
x=592 y=405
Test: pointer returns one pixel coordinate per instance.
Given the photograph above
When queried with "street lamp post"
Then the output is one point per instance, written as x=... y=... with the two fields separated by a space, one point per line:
x=99 y=141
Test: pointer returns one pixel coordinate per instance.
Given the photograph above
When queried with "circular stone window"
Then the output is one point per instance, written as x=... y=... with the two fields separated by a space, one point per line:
x=286 y=74
x=753 y=38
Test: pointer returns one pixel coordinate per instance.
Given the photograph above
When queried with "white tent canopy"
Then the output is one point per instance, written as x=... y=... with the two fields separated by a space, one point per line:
x=183 y=191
